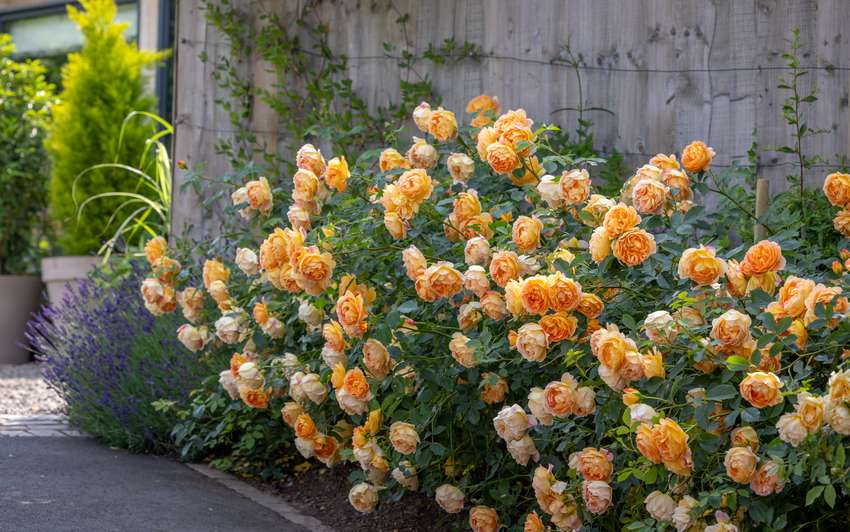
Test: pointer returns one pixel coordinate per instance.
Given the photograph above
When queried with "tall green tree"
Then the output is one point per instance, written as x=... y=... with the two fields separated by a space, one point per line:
x=103 y=83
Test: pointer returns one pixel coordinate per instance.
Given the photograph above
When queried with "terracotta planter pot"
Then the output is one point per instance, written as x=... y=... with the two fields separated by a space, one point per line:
x=59 y=272
x=21 y=297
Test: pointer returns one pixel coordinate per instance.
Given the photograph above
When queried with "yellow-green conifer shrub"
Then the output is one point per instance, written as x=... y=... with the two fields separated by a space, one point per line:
x=103 y=84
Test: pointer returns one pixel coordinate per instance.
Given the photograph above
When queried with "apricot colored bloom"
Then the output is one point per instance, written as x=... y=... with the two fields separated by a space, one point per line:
x=600 y=245
x=526 y=233
x=766 y=256
x=762 y=389
x=591 y=305
x=477 y=251
x=534 y=295
x=465 y=356
x=254 y=398
x=421 y=116
x=415 y=185
x=404 y=437
x=558 y=398
x=422 y=154
x=214 y=271
x=493 y=304
x=664 y=162
x=466 y=205
x=193 y=338
x=653 y=365
x=511 y=423
x=838 y=417
x=648 y=195
x=564 y=294
x=352 y=313
x=737 y=285
x=502 y=158
x=504 y=267
x=697 y=156
x=309 y=158
x=654 y=326
x=670 y=440
x=633 y=246
x=791 y=429
x=259 y=195
x=414 y=262
x=842 y=224
x=741 y=464
x=396 y=226
x=337 y=173
x=332 y=332
x=486 y=137
x=558 y=326
x=305 y=186
x=493 y=393
x=837 y=189
x=478 y=225
x=363 y=497
x=532 y=342
x=483 y=519
x=839 y=386
x=597 y=495
x=811 y=410
x=304 y=426
x=449 y=498
x=481 y=104
x=823 y=295
x=443 y=279
x=767 y=479
x=155 y=248
x=574 y=187
x=732 y=328
x=533 y=523
x=619 y=219
x=312 y=270
x=299 y=217
x=660 y=506
x=511 y=117
x=391 y=159
x=442 y=124
x=460 y=167
x=702 y=266
x=516 y=133
x=593 y=464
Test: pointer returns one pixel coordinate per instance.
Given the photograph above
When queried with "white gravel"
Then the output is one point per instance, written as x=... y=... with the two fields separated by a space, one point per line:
x=24 y=392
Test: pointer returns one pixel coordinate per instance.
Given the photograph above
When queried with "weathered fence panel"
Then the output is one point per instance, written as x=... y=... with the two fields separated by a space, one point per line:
x=671 y=71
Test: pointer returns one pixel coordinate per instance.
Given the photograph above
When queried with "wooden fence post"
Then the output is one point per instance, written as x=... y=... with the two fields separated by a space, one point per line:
x=762 y=194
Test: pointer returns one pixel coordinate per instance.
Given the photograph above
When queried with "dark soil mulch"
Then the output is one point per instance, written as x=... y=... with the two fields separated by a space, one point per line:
x=323 y=494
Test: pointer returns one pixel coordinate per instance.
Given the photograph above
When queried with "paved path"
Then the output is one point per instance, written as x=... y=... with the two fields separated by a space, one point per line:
x=76 y=484
x=53 y=425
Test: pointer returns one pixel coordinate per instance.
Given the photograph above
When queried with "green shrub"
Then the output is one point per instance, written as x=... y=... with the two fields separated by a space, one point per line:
x=103 y=84
x=25 y=99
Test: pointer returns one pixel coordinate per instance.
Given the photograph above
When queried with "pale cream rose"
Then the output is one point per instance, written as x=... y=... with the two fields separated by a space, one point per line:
x=363 y=498
x=240 y=196
x=422 y=155
x=837 y=189
x=305 y=447
x=247 y=261
x=558 y=398
x=493 y=304
x=526 y=233
x=839 y=386
x=466 y=205
x=528 y=265
x=469 y=316
x=313 y=388
x=376 y=358
x=513 y=302
x=745 y=437
x=511 y=422
x=477 y=251
x=535 y=405
x=504 y=267
x=697 y=156
x=824 y=295
x=585 y=402
x=633 y=246
x=597 y=495
x=648 y=195
x=767 y=479
x=558 y=326
x=405 y=474
x=654 y=327
x=599 y=245
x=619 y=219
x=442 y=124
x=309 y=158
x=762 y=389
x=311 y=315
x=486 y=137
x=291 y=413
x=422 y=116
x=465 y=356
x=493 y=393
x=193 y=338
x=597 y=206
x=449 y=498
x=443 y=279
x=591 y=305
x=523 y=449
x=532 y=342
x=475 y=280
x=460 y=167
x=641 y=413
x=404 y=437
x=192 y=302
x=218 y=291
x=740 y=464
x=298 y=217
x=838 y=417
x=574 y=187
x=228 y=329
x=681 y=516
x=811 y=410
x=766 y=256
x=702 y=266
x=414 y=262
x=549 y=191
x=732 y=328
x=502 y=158
x=660 y=506
x=791 y=429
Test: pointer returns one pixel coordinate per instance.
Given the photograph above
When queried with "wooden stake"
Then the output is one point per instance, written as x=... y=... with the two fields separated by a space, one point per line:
x=762 y=195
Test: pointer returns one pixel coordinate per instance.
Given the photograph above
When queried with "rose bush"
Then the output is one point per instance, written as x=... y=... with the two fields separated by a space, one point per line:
x=474 y=319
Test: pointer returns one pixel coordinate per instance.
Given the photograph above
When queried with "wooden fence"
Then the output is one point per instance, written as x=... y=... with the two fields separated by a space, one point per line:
x=671 y=72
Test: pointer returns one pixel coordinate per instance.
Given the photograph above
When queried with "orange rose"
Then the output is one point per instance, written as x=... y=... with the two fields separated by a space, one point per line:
x=442 y=124
x=599 y=245
x=811 y=410
x=564 y=293
x=516 y=133
x=166 y=269
x=701 y=266
x=214 y=271
x=255 y=398
x=502 y=157
x=664 y=162
x=304 y=426
x=481 y=104
x=486 y=137
x=309 y=158
x=590 y=305
x=619 y=219
x=526 y=233
x=332 y=333
x=762 y=389
x=305 y=186
x=559 y=326
x=594 y=464
x=493 y=393
x=415 y=185
x=532 y=342
x=414 y=262
x=423 y=290
x=732 y=328
x=478 y=225
x=259 y=194
x=697 y=157
x=533 y=172
x=842 y=223
x=766 y=256
x=466 y=205
x=352 y=313
x=559 y=397
x=679 y=180
x=597 y=206
x=574 y=187
x=740 y=464
x=837 y=189
x=337 y=173
x=646 y=444
x=464 y=355
x=648 y=195
x=767 y=479
x=312 y=270
x=155 y=248
x=443 y=279
x=493 y=304
x=355 y=384
x=504 y=267
x=534 y=295
x=822 y=294
x=670 y=440
x=633 y=246
x=513 y=302
x=509 y=118
x=395 y=225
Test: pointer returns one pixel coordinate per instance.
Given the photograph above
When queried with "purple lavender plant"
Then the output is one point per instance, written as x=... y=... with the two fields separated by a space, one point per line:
x=110 y=358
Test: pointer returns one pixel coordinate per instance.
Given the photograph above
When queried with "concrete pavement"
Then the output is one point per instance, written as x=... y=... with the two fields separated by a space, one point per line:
x=70 y=484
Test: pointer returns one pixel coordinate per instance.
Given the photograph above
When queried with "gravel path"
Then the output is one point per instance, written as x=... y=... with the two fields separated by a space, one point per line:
x=24 y=392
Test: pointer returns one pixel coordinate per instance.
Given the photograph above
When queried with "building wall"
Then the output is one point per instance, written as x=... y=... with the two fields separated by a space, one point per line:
x=671 y=71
